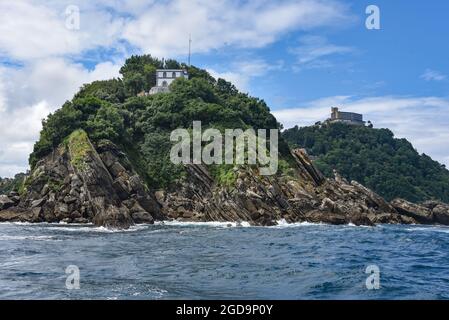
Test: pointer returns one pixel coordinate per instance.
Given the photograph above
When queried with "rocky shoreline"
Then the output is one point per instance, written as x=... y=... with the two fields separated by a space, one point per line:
x=100 y=186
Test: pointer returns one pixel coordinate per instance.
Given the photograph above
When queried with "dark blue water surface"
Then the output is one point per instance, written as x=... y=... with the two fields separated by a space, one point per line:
x=216 y=261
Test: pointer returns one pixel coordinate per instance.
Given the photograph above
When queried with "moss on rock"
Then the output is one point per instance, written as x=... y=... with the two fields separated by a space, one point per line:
x=79 y=146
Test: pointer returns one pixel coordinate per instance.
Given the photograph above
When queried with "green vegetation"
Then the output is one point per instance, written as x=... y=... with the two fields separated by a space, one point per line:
x=373 y=157
x=55 y=185
x=79 y=147
x=141 y=126
x=14 y=184
x=108 y=90
x=224 y=174
x=139 y=72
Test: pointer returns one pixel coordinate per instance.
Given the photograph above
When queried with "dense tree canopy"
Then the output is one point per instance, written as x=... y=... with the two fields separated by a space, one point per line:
x=373 y=157
x=13 y=184
x=141 y=126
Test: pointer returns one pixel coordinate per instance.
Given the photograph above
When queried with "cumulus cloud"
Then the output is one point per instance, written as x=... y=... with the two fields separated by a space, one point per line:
x=421 y=120
x=37 y=29
x=240 y=73
x=54 y=80
x=18 y=130
x=214 y=24
x=32 y=29
x=29 y=94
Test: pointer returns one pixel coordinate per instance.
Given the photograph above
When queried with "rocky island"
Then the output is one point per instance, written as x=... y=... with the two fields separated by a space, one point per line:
x=103 y=158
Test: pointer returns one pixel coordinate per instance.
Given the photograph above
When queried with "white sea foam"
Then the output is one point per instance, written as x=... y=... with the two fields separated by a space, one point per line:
x=350 y=224
x=84 y=228
x=281 y=224
x=206 y=224
x=89 y=227
x=430 y=229
x=17 y=223
x=284 y=224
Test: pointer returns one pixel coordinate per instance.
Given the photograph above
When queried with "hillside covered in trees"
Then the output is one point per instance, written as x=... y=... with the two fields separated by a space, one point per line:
x=104 y=158
x=375 y=158
x=141 y=126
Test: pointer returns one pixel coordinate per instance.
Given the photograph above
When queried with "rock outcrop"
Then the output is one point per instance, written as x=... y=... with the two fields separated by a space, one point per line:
x=262 y=200
x=9 y=201
x=80 y=183
x=429 y=212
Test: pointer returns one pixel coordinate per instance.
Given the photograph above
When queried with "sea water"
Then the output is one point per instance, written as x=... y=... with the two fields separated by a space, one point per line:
x=178 y=260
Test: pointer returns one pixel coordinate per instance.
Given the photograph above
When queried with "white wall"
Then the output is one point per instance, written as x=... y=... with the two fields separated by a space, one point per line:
x=168 y=77
x=161 y=80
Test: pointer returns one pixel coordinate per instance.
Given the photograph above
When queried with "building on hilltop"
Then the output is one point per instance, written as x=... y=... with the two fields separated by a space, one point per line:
x=346 y=117
x=164 y=77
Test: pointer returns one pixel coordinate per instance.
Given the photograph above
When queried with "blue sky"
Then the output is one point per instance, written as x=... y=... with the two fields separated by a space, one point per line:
x=301 y=56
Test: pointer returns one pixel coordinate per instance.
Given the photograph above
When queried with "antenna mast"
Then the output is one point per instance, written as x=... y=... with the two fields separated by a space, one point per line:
x=190 y=46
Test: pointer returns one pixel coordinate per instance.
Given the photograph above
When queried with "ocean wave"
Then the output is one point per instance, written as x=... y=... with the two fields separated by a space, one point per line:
x=221 y=224
x=19 y=223
x=284 y=224
x=430 y=229
x=73 y=224
x=32 y=238
x=89 y=227
x=84 y=228
x=281 y=224
x=153 y=293
x=350 y=224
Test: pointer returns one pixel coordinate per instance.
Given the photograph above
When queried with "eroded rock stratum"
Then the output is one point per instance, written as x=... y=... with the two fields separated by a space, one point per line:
x=80 y=182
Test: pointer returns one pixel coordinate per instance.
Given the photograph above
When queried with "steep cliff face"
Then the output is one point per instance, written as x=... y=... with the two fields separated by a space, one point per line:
x=80 y=183
x=264 y=200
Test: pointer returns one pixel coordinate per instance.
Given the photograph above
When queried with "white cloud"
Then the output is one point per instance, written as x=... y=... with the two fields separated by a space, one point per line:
x=34 y=29
x=29 y=95
x=432 y=75
x=240 y=73
x=18 y=130
x=313 y=51
x=236 y=78
x=54 y=80
x=37 y=29
x=214 y=24
x=421 y=120
x=2 y=91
